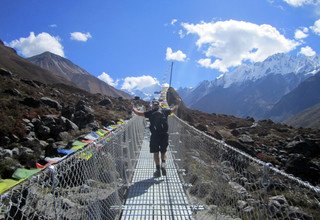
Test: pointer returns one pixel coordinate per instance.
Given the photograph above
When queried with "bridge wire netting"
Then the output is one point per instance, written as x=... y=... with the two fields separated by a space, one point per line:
x=86 y=185
x=233 y=185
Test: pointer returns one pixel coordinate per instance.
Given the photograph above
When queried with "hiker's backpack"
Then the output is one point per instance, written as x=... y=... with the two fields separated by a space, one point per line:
x=159 y=122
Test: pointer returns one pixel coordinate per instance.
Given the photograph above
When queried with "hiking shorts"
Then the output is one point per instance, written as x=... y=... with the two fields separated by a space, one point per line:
x=159 y=143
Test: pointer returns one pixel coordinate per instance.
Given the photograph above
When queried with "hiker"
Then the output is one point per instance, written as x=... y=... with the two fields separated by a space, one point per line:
x=159 y=139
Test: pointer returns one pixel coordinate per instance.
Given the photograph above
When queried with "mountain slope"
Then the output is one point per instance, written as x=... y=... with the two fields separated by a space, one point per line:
x=248 y=99
x=9 y=60
x=65 y=68
x=309 y=118
x=304 y=96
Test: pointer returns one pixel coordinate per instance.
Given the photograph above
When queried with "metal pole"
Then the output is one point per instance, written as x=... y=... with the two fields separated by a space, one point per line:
x=171 y=74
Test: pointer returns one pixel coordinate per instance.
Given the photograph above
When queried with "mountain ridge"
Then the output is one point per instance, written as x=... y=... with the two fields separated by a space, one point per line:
x=256 y=93
x=23 y=68
x=65 y=68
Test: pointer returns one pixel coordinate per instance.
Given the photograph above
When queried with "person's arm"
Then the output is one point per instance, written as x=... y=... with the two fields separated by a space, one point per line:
x=137 y=112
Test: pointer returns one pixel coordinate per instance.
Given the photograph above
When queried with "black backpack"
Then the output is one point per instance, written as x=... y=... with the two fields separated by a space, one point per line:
x=158 y=122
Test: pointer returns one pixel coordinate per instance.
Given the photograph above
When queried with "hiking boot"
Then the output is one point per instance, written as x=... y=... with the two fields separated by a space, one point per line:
x=163 y=169
x=156 y=174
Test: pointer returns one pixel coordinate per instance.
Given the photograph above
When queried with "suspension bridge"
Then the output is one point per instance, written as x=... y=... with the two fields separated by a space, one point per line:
x=112 y=178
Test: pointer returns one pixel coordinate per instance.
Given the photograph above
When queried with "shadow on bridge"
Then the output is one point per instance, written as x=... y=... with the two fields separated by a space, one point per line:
x=141 y=187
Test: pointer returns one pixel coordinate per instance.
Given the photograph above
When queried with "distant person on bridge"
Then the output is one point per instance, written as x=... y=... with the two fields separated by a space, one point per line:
x=159 y=139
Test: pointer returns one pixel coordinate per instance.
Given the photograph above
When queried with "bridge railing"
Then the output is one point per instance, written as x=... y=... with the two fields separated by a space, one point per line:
x=86 y=185
x=233 y=185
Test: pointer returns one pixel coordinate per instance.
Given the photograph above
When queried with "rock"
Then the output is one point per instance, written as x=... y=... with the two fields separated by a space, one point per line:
x=235 y=132
x=51 y=149
x=81 y=119
x=245 y=139
x=296 y=213
x=301 y=166
x=240 y=190
x=93 y=125
x=6 y=73
x=250 y=119
x=277 y=204
x=7 y=167
x=30 y=83
x=308 y=148
x=241 y=204
x=31 y=102
x=201 y=190
x=232 y=125
x=7 y=153
x=68 y=112
x=64 y=136
x=281 y=199
x=106 y=102
x=70 y=126
x=51 y=103
x=4 y=141
x=241 y=146
x=15 y=152
x=80 y=104
x=43 y=132
x=248 y=210
x=13 y=92
x=217 y=135
x=14 y=138
x=202 y=127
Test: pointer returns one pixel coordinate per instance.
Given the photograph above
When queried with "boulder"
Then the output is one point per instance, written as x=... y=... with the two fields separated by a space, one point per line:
x=51 y=103
x=245 y=139
x=31 y=102
x=6 y=73
x=106 y=102
x=7 y=167
x=13 y=92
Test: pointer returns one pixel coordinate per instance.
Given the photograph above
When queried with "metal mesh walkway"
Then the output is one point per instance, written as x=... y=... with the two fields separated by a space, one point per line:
x=155 y=198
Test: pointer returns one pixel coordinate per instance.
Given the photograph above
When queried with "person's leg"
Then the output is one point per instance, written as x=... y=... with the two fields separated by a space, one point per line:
x=163 y=148
x=156 y=158
x=154 y=148
x=163 y=157
x=163 y=163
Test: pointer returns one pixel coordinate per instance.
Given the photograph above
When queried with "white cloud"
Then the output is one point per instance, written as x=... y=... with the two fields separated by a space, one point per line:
x=78 y=36
x=316 y=27
x=36 y=44
x=177 y=56
x=139 y=82
x=299 y=3
x=232 y=42
x=107 y=79
x=307 y=51
x=217 y=64
x=165 y=85
x=173 y=21
x=181 y=34
x=300 y=34
x=53 y=25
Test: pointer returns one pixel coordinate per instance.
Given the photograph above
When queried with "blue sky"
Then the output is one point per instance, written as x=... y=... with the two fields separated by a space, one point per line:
x=131 y=44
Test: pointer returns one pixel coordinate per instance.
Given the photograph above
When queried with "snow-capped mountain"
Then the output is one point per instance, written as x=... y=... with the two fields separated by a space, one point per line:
x=282 y=64
x=192 y=95
x=147 y=93
x=253 y=89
